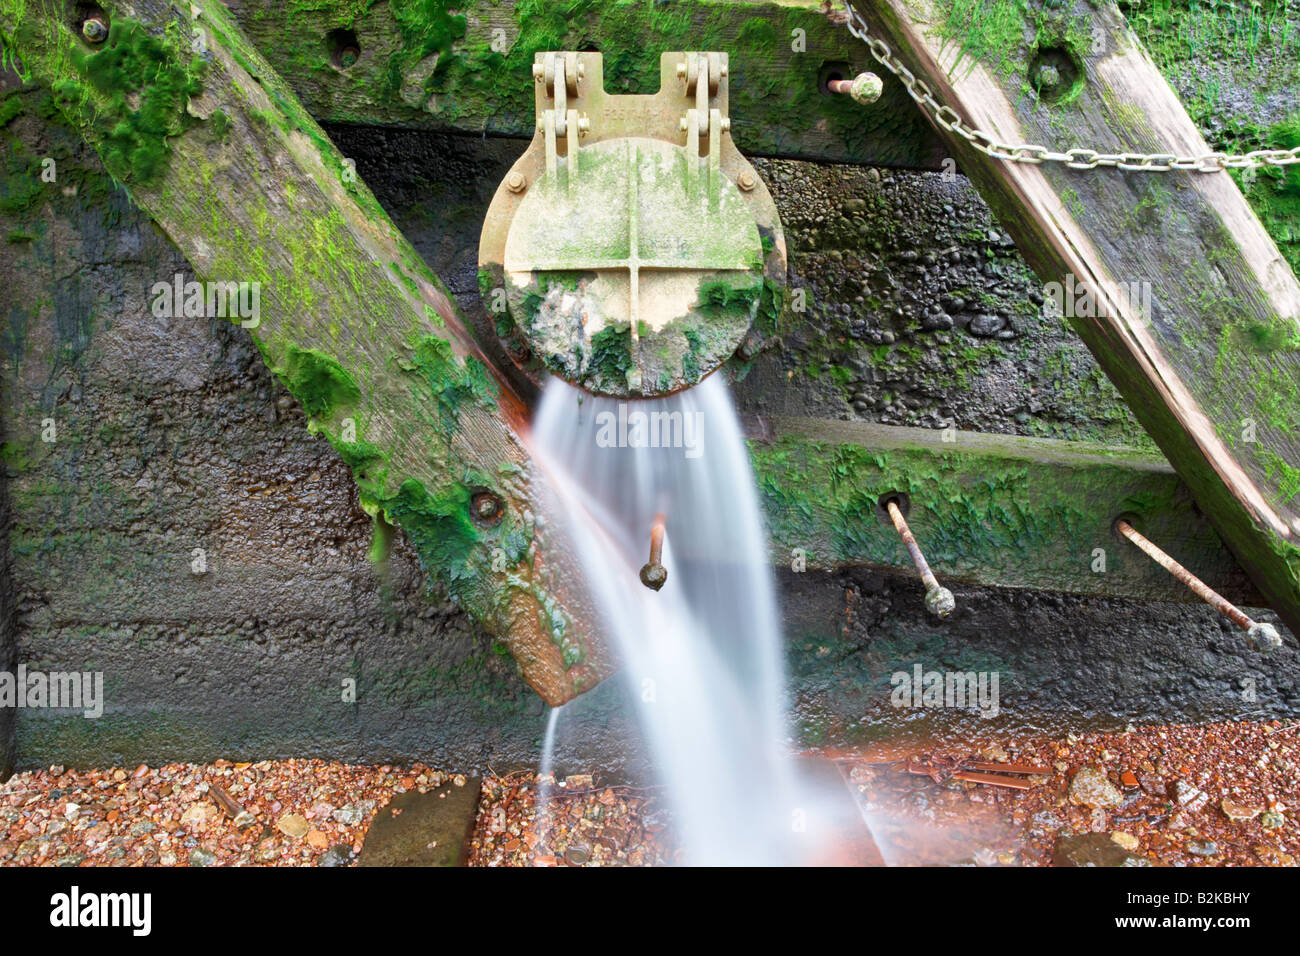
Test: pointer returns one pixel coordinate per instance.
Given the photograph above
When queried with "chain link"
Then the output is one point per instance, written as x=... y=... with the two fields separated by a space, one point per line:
x=948 y=118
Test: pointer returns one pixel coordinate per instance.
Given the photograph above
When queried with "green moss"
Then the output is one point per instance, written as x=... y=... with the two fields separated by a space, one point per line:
x=454 y=381
x=144 y=85
x=319 y=382
x=439 y=526
x=611 y=354
x=10 y=107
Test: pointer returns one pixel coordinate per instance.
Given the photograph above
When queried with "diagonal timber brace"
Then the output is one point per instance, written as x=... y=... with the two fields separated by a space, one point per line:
x=211 y=143
x=1169 y=278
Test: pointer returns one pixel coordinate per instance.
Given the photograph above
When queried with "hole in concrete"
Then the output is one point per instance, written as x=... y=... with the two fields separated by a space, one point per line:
x=344 y=50
x=1132 y=518
x=834 y=70
x=882 y=506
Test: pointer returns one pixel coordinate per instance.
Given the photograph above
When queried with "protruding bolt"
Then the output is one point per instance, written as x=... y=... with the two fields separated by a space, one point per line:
x=1048 y=77
x=584 y=125
x=539 y=72
x=681 y=71
x=582 y=71
x=94 y=29
x=746 y=182
x=865 y=88
x=516 y=182
x=1260 y=635
x=726 y=124
x=683 y=125
x=654 y=575
x=1264 y=637
x=939 y=601
x=486 y=508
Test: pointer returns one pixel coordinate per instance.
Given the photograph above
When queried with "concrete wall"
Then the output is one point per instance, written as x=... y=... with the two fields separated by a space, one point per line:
x=171 y=436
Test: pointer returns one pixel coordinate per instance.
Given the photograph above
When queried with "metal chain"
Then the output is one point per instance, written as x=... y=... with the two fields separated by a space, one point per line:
x=1077 y=158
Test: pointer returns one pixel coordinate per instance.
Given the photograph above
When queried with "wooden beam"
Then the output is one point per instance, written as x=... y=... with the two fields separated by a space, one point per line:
x=1200 y=330
x=990 y=510
x=217 y=149
x=467 y=66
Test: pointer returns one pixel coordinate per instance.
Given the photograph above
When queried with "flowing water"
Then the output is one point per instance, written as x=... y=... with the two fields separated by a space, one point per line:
x=703 y=656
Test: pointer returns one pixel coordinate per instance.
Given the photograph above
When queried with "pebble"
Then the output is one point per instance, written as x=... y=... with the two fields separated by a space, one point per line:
x=1091 y=788
x=293 y=825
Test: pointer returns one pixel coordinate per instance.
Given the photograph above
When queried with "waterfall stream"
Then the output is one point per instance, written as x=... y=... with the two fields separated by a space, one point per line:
x=703 y=656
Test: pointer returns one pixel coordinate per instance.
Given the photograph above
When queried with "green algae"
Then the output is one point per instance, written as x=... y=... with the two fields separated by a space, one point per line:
x=133 y=65
x=319 y=382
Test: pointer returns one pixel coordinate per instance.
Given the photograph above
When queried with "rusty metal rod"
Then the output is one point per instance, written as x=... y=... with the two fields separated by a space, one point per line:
x=1264 y=636
x=654 y=575
x=938 y=599
x=865 y=88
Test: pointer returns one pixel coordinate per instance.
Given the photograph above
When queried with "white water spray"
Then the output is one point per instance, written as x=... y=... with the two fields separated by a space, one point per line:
x=702 y=657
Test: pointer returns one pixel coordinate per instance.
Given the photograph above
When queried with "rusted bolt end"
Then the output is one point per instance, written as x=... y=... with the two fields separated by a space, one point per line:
x=866 y=88
x=538 y=72
x=1048 y=77
x=94 y=29
x=348 y=57
x=940 y=602
x=681 y=71
x=516 y=182
x=486 y=508
x=584 y=125
x=1264 y=637
x=746 y=182
x=726 y=124
x=654 y=576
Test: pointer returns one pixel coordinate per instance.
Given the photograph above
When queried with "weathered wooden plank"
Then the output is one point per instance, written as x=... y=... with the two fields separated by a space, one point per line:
x=467 y=66
x=992 y=510
x=216 y=148
x=1193 y=313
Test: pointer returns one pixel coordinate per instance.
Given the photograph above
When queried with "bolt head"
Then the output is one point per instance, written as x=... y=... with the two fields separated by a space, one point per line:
x=538 y=72
x=487 y=508
x=1049 y=77
x=654 y=576
x=940 y=602
x=866 y=88
x=94 y=29
x=746 y=182
x=516 y=182
x=1264 y=637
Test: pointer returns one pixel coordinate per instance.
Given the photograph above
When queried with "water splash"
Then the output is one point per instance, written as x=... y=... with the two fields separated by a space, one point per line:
x=703 y=656
x=546 y=774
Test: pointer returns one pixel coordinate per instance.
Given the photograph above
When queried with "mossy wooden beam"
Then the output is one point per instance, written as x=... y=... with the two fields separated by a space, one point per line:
x=216 y=148
x=991 y=510
x=1193 y=313
x=467 y=65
